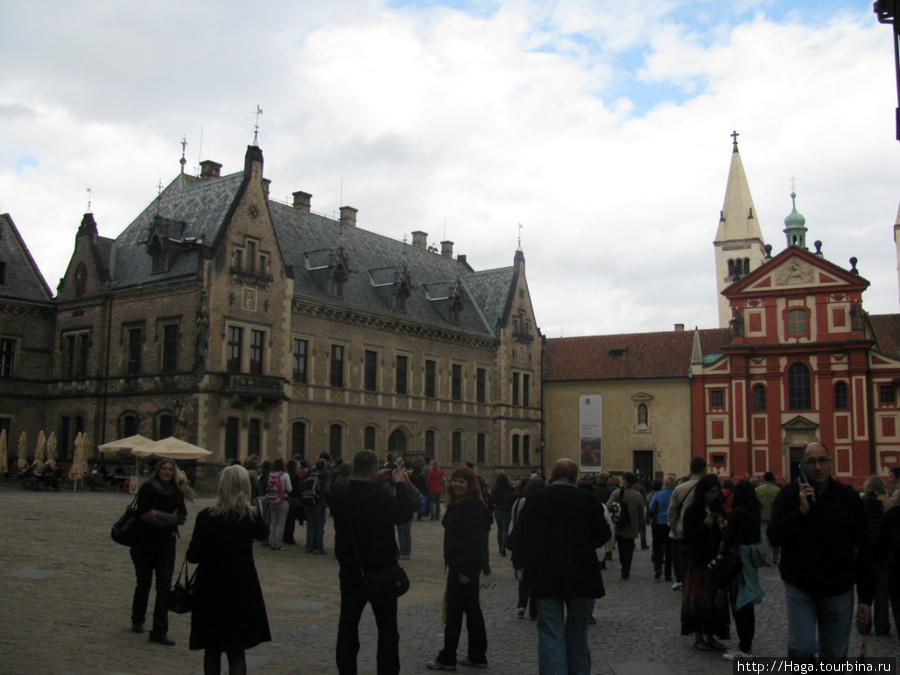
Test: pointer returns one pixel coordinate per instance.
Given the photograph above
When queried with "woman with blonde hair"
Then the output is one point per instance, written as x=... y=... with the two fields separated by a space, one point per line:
x=464 y=522
x=160 y=509
x=229 y=612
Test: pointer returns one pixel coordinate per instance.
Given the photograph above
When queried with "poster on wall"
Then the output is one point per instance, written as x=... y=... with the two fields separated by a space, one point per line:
x=591 y=422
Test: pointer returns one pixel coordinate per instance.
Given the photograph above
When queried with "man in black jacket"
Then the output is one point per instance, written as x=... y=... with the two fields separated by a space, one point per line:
x=558 y=533
x=825 y=550
x=365 y=512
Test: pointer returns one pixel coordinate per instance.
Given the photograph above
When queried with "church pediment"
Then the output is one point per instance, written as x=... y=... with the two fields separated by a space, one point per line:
x=799 y=423
x=794 y=269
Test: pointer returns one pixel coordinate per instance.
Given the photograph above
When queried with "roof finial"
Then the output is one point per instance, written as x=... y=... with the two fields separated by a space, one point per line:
x=90 y=194
x=184 y=143
x=520 y=237
x=734 y=136
x=256 y=126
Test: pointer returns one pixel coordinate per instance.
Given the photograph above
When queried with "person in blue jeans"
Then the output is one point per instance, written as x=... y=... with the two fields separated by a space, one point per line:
x=825 y=551
x=557 y=534
x=314 y=511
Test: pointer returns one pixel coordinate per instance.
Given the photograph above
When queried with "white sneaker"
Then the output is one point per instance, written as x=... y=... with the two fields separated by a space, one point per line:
x=676 y=585
x=737 y=654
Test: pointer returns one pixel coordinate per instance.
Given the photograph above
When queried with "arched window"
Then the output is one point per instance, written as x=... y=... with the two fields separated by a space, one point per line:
x=397 y=442
x=841 y=399
x=298 y=439
x=515 y=449
x=759 y=398
x=799 y=391
x=129 y=424
x=481 y=444
x=165 y=426
x=335 y=440
x=456 y=448
x=429 y=443
x=232 y=429
x=369 y=434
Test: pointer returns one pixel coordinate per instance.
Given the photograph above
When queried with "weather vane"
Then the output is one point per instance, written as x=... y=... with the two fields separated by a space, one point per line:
x=90 y=194
x=520 y=236
x=256 y=126
x=183 y=146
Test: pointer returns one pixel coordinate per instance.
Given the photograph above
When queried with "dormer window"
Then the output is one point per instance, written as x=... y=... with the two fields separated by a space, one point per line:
x=338 y=277
x=159 y=255
x=616 y=353
x=401 y=296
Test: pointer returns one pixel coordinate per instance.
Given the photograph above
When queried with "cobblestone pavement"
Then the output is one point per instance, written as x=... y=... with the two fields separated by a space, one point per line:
x=65 y=596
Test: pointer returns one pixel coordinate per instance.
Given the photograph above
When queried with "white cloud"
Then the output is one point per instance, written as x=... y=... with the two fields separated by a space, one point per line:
x=464 y=126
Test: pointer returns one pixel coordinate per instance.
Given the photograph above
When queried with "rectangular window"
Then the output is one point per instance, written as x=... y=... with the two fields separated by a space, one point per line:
x=526 y=387
x=429 y=443
x=479 y=449
x=526 y=449
x=370 y=371
x=480 y=385
x=235 y=347
x=886 y=393
x=430 y=374
x=335 y=440
x=257 y=344
x=337 y=367
x=515 y=389
x=515 y=449
x=456 y=382
x=7 y=356
x=84 y=346
x=133 y=351
x=71 y=355
x=369 y=438
x=717 y=398
x=251 y=257
x=401 y=375
x=456 y=448
x=232 y=426
x=797 y=322
x=301 y=349
x=170 y=348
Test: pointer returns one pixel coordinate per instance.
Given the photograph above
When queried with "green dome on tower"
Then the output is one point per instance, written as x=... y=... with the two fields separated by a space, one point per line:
x=795 y=226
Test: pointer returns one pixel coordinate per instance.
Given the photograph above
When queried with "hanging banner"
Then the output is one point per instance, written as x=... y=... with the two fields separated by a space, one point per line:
x=591 y=423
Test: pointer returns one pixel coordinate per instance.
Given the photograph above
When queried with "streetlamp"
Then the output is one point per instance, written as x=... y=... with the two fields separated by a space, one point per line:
x=886 y=10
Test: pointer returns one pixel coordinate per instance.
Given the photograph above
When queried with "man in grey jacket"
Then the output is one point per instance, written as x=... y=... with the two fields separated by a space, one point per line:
x=627 y=528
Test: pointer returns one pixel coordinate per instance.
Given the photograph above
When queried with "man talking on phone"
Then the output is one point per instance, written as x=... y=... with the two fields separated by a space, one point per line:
x=825 y=551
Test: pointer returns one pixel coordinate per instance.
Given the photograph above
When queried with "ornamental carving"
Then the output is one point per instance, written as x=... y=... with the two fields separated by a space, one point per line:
x=794 y=272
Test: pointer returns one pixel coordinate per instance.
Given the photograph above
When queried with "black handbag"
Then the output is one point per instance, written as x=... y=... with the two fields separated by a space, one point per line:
x=181 y=597
x=386 y=584
x=125 y=530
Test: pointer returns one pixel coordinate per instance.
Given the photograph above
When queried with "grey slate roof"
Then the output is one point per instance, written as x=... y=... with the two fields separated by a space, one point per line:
x=200 y=205
x=308 y=243
x=23 y=279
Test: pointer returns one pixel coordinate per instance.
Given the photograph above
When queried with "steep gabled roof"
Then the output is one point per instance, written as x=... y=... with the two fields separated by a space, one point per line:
x=22 y=278
x=632 y=355
x=202 y=205
x=309 y=240
x=887 y=333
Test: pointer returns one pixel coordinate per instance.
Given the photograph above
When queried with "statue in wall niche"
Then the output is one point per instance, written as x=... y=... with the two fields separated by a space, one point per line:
x=856 y=316
x=737 y=324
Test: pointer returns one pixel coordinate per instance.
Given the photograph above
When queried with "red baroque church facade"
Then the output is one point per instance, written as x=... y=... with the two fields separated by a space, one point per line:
x=804 y=363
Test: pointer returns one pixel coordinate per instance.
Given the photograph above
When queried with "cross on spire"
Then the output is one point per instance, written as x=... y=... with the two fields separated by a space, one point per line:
x=734 y=136
x=90 y=194
x=520 y=236
x=183 y=146
x=256 y=126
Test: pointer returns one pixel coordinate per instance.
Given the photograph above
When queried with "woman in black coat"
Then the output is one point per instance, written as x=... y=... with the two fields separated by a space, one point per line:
x=161 y=509
x=464 y=522
x=229 y=612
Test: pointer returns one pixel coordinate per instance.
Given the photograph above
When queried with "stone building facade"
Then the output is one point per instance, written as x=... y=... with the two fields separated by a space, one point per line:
x=248 y=326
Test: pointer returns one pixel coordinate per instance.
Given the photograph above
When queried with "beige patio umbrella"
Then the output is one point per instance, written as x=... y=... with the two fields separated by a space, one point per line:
x=79 y=466
x=39 y=448
x=171 y=448
x=3 y=452
x=22 y=461
x=51 y=449
x=125 y=445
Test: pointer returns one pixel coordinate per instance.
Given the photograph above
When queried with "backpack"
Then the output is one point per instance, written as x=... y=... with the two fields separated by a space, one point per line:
x=274 y=488
x=311 y=490
x=618 y=511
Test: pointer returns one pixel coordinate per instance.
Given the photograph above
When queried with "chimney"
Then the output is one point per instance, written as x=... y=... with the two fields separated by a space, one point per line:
x=348 y=216
x=679 y=327
x=461 y=258
x=302 y=200
x=420 y=239
x=447 y=249
x=266 y=183
x=210 y=169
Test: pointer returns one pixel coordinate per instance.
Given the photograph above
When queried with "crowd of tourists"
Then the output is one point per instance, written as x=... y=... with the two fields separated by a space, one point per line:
x=837 y=548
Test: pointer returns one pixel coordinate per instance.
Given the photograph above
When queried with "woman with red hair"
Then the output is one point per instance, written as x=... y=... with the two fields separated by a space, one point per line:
x=465 y=518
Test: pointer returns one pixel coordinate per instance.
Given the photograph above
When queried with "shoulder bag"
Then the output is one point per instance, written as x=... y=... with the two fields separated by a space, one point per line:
x=181 y=597
x=386 y=584
x=125 y=529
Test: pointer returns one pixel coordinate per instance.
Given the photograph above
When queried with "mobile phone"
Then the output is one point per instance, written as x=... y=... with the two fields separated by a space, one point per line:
x=804 y=478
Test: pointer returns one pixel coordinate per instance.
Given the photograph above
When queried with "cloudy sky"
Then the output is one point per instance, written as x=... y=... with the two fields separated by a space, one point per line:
x=602 y=127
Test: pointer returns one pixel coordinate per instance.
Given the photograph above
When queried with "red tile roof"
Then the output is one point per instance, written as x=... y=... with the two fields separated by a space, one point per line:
x=633 y=355
x=887 y=331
